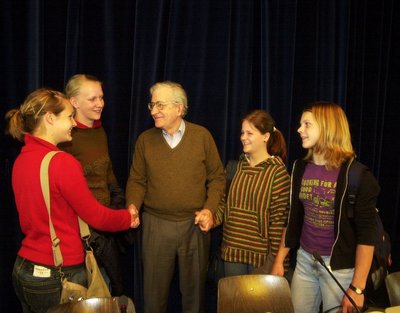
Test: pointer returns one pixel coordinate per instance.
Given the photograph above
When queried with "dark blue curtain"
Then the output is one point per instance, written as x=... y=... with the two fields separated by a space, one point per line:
x=231 y=56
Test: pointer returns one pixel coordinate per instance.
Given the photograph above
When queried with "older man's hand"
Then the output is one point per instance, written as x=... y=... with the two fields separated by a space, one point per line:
x=204 y=219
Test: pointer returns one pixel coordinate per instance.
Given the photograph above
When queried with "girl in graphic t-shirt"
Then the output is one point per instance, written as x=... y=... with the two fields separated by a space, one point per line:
x=318 y=222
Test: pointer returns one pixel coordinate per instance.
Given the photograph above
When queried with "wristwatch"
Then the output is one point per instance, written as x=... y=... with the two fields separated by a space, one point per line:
x=356 y=290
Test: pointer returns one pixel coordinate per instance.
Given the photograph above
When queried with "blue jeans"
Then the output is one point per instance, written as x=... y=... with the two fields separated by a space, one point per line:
x=38 y=294
x=233 y=269
x=312 y=284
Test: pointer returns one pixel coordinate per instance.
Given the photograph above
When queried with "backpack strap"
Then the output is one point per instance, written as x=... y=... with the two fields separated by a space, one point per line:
x=354 y=177
x=230 y=170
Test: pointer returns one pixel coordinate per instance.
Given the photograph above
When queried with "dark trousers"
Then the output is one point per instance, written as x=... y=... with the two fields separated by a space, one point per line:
x=163 y=242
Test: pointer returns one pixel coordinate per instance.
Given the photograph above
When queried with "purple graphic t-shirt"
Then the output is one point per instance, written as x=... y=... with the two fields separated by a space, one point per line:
x=317 y=193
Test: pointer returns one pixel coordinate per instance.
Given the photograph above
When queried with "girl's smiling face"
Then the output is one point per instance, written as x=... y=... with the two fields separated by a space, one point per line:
x=309 y=130
x=252 y=140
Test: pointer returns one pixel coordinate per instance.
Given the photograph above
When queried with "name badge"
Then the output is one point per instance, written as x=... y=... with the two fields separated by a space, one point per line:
x=41 y=271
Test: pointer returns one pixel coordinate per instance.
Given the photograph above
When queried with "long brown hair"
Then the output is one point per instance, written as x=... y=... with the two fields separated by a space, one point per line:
x=27 y=118
x=334 y=143
x=264 y=122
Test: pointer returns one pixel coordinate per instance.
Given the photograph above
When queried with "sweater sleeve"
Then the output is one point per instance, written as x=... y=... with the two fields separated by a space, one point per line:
x=137 y=182
x=279 y=208
x=220 y=212
x=215 y=175
x=67 y=174
x=364 y=211
x=111 y=178
x=117 y=196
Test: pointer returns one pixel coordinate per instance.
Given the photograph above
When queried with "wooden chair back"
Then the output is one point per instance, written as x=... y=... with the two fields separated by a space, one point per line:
x=392 y=282
x=95 y=305
x=254 y=294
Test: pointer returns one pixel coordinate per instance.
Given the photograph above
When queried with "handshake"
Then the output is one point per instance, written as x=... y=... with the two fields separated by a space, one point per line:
x=133 y=211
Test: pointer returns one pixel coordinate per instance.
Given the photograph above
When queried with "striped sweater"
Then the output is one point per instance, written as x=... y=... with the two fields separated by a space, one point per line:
x=255 y=212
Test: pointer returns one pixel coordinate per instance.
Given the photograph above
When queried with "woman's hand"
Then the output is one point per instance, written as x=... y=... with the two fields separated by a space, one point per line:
x=134 y=212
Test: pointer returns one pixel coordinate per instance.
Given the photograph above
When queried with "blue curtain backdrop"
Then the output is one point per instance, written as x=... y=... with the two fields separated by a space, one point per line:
x=231 y=56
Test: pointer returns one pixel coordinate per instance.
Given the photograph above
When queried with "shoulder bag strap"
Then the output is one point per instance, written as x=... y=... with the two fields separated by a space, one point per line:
x=84 y=229
x=44 y=182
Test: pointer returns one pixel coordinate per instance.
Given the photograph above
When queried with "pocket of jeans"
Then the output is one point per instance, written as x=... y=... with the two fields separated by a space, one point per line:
x=42 y=295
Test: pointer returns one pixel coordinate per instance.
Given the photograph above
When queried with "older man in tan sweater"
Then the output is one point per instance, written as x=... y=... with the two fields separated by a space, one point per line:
x=177 y=177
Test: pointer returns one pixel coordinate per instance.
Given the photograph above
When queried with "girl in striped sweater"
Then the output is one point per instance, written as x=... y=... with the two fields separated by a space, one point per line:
x=255 y=209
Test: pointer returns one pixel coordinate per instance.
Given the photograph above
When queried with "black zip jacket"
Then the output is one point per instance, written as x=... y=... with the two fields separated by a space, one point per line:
x=349 y=232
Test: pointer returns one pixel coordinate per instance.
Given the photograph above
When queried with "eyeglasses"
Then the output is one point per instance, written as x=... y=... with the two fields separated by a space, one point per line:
x=160 y=105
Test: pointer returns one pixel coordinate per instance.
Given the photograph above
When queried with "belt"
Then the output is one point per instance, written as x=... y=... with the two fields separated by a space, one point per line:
x=30 y=265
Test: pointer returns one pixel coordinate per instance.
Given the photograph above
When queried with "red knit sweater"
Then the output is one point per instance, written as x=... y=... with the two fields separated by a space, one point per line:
x=69 y=197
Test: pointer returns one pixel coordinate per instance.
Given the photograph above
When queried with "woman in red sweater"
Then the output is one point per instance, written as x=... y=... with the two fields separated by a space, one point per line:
x=42 y=121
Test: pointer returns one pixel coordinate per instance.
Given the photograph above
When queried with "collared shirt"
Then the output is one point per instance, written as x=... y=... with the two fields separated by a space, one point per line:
x=176 y=138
